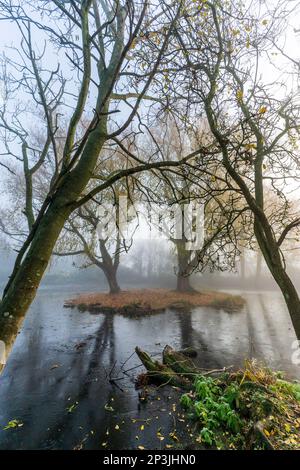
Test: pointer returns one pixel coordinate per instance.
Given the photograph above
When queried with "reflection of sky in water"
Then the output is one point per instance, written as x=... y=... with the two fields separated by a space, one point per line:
x=62 y=357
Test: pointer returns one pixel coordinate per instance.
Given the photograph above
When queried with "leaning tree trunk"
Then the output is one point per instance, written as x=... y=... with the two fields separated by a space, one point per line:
x=290 y=295
x=273 y=260
x=23 y=288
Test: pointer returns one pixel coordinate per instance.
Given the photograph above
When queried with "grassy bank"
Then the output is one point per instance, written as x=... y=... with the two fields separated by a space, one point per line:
x=154 y=300
x=249 y=409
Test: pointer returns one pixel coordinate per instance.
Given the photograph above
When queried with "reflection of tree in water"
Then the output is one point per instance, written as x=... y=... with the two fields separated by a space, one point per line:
x=93 y=389
x=209 y=353
x=192 y=338
x=46 y=395
x=272 y=335
x=90 y=421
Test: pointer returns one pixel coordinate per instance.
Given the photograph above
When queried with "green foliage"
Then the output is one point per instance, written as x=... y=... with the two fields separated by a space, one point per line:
x=213 y=407
x=207 y=436
x=290 y=388
x=186 y=401
x=227 y=409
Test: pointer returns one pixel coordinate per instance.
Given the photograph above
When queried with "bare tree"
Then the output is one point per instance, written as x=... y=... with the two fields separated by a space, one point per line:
x=255 y=122
x=81 y=237
x=97 y=41
x=209 y=220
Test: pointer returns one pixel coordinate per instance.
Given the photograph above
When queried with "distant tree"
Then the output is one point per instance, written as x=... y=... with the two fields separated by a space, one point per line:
x=186 y=189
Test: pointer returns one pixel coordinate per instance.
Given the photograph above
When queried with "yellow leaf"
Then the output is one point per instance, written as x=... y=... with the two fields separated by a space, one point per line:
x=173 y=436
x=239 y=95
x=141 y=447
x=250 y=146
x=262 y=110
x=133 y=44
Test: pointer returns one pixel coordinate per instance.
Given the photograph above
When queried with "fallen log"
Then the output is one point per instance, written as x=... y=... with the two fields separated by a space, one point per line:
x=161 y=373
x=177 y=369
x=189 y=352
x=178 y=362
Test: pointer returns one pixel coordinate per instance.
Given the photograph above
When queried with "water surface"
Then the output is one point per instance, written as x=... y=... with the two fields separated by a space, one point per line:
x=57 y=380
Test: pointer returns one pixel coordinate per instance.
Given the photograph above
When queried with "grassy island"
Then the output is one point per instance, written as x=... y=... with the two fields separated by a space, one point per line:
x=154 y=300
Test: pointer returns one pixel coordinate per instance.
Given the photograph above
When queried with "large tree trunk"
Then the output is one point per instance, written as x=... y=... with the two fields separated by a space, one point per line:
x=258 y=264
x=274 y=262
x=183 y=283
x=111 y=276
x=290 y=295
x=183 y=269
x=110 y=265
x=22 y=290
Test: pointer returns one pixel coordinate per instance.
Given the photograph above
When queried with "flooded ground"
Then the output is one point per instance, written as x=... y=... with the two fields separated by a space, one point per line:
x=58 y=381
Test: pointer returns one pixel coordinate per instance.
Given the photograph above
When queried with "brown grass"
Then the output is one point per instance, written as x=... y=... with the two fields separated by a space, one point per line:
x=149 y=300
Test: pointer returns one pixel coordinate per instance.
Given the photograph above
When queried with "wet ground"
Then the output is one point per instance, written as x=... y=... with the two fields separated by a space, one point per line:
x=65 y=379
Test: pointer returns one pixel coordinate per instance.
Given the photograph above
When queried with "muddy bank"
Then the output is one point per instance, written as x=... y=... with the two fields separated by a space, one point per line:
x=147 y=301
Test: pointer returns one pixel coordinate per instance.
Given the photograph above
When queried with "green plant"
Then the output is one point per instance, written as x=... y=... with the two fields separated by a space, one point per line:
x=227 y=409
x=207 y=436
x=213 y=407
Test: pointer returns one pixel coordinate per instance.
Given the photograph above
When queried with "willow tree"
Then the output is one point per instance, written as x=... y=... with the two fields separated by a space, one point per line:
x=104 y=53
x=238 y=75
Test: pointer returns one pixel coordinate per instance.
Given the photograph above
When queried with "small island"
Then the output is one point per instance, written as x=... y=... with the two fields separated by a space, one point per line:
x=147 y=301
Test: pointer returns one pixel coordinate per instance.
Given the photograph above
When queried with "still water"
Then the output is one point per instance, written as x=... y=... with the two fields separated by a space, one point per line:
x=57 y=380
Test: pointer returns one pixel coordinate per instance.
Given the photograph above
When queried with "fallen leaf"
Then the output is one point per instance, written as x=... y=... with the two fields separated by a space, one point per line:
x=14 y=423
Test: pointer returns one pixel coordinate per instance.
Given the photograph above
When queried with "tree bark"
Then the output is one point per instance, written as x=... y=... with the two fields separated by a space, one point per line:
x=258 y=264
x=111 y=276
x=183 y=269
x=183 y=283
x=272 y=256
x=290 y=295
x=110 y=265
